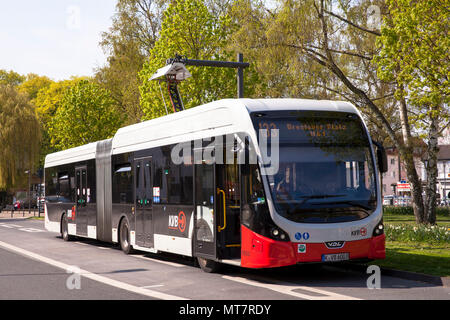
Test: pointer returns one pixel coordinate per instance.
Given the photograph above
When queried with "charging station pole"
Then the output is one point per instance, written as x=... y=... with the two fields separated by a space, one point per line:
x=175 y=71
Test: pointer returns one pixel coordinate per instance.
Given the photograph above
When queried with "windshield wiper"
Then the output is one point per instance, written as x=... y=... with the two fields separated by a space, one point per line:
x=324 y=196
x=352 y=203
x=307 y=198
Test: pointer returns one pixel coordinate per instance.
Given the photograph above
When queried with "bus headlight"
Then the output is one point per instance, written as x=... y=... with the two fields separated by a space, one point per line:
x=278 y=234
x=379 y=229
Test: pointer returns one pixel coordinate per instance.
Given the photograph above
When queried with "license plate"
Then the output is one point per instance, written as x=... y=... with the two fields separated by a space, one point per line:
x=336 y=257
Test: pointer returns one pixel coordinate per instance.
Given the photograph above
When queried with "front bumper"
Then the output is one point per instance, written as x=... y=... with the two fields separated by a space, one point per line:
x=261 y=252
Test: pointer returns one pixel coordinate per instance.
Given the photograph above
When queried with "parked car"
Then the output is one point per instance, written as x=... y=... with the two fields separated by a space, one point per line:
x=388 y=200
x=444 y=202
x=402 y=201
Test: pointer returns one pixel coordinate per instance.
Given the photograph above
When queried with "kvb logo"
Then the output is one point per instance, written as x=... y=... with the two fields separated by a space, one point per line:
x=178 y=222
x=182 y=221
x=173 y=222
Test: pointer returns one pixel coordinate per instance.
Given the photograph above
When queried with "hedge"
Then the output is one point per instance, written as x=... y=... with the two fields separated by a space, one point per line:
x=441 y=211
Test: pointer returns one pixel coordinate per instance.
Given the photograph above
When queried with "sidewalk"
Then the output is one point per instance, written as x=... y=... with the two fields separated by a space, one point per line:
x=21 y=214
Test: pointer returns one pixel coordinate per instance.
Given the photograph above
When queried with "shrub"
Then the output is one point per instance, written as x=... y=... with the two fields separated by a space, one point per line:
x=391 y=210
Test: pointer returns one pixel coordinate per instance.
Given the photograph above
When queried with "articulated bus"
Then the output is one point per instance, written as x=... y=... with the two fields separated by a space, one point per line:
x=253 y=183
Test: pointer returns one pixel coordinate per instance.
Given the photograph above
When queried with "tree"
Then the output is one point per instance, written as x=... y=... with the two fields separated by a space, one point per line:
x=47 y=102
x=33 y=84
x=414 y=46
x=329 y=45
x=10 y=77
x=134 y=31
x=87 y=114
x=19 y=136
x=189 y=29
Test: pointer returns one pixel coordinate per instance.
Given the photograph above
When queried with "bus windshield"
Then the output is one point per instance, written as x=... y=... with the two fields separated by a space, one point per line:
x=326 y=172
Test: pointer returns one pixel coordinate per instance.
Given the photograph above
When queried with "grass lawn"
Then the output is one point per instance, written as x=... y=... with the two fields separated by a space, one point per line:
x=416 y=256
x=37 y=218
x=443 y=221
x=422 y=258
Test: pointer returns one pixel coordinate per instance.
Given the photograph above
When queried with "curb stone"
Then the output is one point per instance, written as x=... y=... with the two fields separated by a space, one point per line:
x=408 y=275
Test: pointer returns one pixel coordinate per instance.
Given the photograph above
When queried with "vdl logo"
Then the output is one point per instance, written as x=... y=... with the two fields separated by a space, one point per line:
x=299 y=236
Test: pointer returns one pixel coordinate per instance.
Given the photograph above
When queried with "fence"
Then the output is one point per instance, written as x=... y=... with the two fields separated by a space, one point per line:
x=9 y=212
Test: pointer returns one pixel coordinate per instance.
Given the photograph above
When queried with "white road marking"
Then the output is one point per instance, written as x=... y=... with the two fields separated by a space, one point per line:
x=288 y=288
x=154 y=286
x=20 y=228
x=173 y=264
x=9 y=226
x=32 y=230
x=92 y=276
x=83 y=244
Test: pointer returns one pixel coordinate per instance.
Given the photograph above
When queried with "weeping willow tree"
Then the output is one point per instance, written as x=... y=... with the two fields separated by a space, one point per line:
x=19 y=137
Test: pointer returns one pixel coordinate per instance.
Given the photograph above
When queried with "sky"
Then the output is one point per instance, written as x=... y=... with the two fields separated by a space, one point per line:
x=55 y=38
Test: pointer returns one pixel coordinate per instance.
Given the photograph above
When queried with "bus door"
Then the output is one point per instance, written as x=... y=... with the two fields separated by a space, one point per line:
x=205 y=231
x=144 y=202
x=228 y=209
x=81 y=200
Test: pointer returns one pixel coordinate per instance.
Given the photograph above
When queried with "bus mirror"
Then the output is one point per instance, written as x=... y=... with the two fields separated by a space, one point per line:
x=381 y=157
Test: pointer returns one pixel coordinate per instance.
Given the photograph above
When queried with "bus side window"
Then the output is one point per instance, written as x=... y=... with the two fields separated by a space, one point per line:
x=122 y=184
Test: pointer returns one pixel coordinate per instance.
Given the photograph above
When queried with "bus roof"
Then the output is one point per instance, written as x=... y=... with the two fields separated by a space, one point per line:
x=212 y=119
x=82 y=153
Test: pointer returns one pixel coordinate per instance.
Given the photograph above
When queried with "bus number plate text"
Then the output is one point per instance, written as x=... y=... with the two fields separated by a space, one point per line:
x=336 y=257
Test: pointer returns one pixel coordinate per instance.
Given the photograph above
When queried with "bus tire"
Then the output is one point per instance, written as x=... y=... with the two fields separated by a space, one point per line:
x=208 y=266
x=124 y=240
x=65 y=229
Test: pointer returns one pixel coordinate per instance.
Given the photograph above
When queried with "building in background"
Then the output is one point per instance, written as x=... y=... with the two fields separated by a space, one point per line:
x=443 y=187
x=395 y=180
x=445 y=138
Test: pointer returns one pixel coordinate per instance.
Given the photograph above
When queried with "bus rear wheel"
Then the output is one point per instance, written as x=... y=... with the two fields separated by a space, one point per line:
x=208 y=266
x=125 y=243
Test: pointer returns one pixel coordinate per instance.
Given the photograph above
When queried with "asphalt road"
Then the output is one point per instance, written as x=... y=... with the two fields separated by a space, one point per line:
x=36 y=264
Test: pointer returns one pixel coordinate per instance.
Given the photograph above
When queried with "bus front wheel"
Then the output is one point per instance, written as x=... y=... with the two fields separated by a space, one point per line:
x=208 y=266
x=65 y=229
x=125 y=243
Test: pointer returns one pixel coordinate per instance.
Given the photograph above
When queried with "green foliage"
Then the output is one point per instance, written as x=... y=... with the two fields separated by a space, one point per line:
x=86 y=114
x=189 y=29
x=47 y=102
x=11 y=78
x=33 y=84
x=414 y=50
x=391 y=210
x=133 y=34
x=49 y=99
x=19 y=136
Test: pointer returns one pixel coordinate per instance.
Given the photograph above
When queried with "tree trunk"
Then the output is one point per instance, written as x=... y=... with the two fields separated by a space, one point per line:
x=432 y=171
x=407 y=153
x=416 y=187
